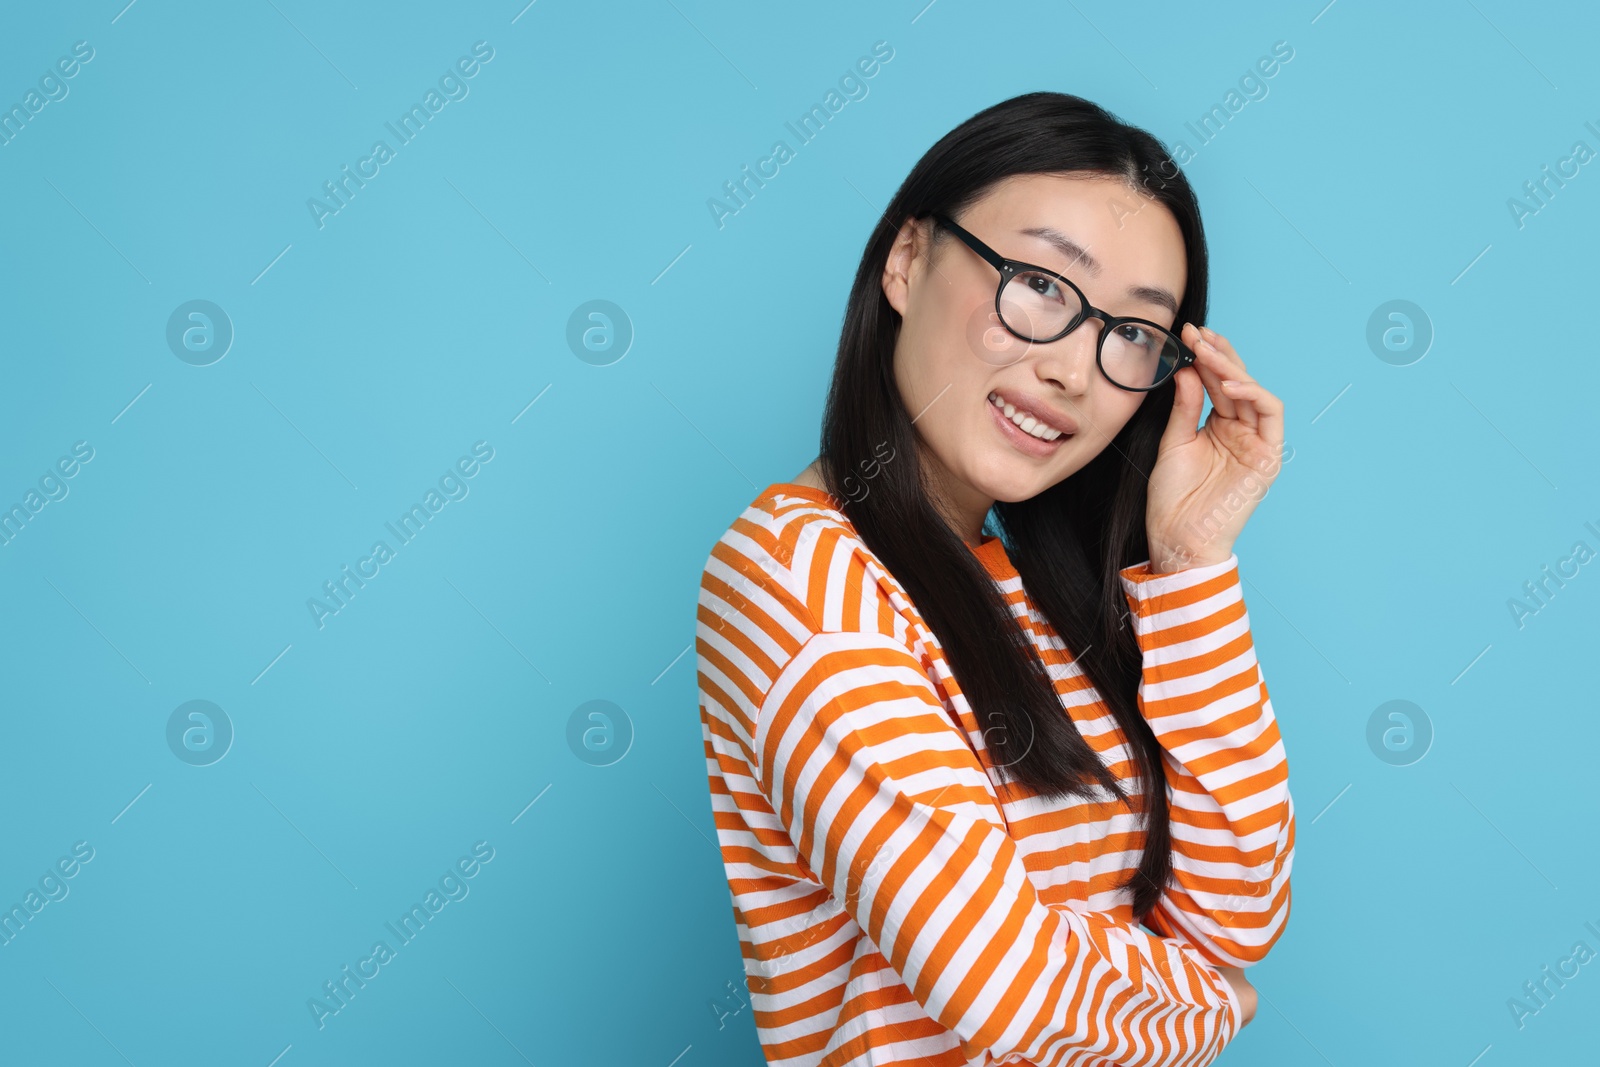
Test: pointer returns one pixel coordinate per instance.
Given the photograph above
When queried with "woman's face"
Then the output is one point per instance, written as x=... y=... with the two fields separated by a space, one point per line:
x=953 y=354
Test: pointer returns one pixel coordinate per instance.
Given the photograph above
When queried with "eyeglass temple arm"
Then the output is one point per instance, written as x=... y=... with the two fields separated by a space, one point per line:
x=994 y=258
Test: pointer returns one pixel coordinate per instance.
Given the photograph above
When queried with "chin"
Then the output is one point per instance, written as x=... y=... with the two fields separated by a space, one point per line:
x=1022 y=494
x=1007 y=482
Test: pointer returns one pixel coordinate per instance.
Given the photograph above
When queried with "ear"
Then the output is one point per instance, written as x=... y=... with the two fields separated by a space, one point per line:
x=909 y=245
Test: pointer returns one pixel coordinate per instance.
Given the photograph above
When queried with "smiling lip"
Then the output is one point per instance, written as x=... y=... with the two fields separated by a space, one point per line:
x=1041 y=412
x=1022 y=441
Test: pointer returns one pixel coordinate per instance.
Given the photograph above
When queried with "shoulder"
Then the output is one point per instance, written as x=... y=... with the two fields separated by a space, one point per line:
x=798 y=554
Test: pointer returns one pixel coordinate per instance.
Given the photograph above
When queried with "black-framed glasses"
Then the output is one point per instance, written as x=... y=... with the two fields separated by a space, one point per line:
x=1038 y=305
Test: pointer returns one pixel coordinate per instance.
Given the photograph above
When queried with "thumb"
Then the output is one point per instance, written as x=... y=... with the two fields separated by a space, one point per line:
x=1188 y=395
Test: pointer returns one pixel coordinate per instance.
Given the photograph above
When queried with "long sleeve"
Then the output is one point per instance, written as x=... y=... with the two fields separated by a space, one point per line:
x=892 y=811
x=1232 y=818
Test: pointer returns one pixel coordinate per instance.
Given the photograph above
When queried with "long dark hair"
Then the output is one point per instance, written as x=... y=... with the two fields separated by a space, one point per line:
x=1067 y=543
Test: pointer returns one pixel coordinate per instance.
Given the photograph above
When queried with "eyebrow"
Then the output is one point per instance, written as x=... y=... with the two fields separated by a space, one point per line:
x=1077 y=254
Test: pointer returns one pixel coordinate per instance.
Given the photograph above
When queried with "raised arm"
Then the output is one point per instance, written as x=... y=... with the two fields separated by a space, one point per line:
x=1231 y=814
x=891 y=810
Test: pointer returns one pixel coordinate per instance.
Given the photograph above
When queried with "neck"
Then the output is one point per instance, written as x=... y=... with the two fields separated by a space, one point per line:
x=963 y=510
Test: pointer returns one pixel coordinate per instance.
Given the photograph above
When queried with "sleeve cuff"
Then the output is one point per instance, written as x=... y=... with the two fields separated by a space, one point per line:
x=1142 y=583
x=1233 y=1001
x=1151 y=595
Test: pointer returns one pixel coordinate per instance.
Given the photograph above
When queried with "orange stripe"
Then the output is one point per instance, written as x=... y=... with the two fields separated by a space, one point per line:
x=1044 y=836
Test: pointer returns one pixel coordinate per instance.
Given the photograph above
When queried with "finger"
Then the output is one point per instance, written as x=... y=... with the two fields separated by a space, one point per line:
x=1228 y=355
x=1268 y=411
x=1243 y=402
x=1206 y=360
x=1222 y=345
x=1214 y=367
x=1183 y=423
x=1267 y=408
x=1229 y=367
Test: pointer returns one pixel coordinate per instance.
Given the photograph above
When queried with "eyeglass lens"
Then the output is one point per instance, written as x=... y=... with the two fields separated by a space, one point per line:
x=1134 y=354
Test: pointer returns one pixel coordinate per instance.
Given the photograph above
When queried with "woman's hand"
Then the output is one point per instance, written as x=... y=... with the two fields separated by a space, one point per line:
x=1206 y=482
x=1243 y=989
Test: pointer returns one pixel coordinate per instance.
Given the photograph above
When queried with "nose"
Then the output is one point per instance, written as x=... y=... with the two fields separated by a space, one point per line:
x=1070 y=361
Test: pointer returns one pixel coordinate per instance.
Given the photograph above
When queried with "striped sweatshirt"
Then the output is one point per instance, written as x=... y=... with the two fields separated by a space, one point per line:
x=897 y=899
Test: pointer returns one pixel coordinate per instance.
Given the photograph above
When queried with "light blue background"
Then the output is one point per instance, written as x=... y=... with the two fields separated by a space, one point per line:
x=427 y=314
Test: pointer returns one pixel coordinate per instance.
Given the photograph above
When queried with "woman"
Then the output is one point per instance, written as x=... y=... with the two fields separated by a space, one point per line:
x=930 y=748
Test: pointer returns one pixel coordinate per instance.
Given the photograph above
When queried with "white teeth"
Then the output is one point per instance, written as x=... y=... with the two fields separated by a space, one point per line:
x=1026 y=423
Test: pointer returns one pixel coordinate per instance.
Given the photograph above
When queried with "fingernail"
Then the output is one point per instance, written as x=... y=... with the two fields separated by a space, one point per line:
x=1228 y=383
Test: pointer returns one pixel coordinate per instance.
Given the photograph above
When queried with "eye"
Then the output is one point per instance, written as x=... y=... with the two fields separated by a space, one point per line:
x=1043 y=285
x=1135 y=334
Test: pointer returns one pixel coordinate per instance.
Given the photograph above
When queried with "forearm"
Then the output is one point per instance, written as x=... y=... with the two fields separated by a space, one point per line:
x=1230 y=811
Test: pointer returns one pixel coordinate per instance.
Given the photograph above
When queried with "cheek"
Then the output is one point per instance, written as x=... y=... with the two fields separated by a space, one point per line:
x=933 y=357
x=940 y=308
x=940 y=397
x=1121 y=407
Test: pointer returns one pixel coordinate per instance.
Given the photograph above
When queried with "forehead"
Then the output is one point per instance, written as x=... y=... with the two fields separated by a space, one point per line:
x=1133 y=239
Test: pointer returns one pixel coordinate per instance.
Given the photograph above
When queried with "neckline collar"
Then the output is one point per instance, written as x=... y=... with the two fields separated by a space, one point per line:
x=990 y=551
